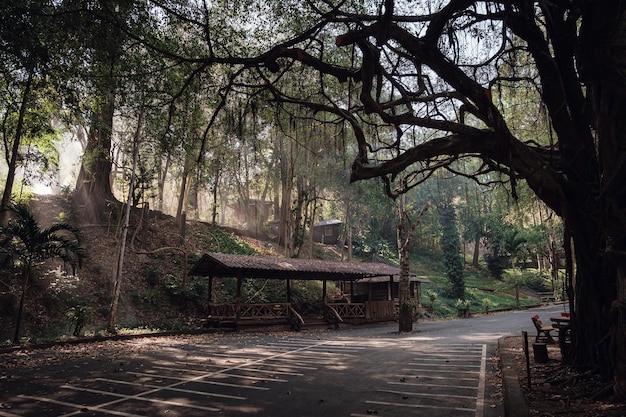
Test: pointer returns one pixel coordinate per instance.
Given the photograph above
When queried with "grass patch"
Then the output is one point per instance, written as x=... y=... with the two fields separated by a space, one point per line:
x=484 y=293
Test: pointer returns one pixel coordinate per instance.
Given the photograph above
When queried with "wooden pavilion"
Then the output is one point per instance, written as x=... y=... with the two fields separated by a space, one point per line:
x=220 y=265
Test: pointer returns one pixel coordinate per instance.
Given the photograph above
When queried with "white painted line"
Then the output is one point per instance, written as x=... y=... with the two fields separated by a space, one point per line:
x=426 y=376
x=476 y=347
x=410 y=384
x=232 y=360
x=139 y=397
x=443 y=371
x=199 y=381
x=319 y=357
x=262 y=371
x=474 y=357
x=186 y=391
x=219 y=373
x=419 y=406
x=313 y=342
x=445 y=365
x=463 y=346
x=296 y=363
x=335 y=351
x=480 y=397
x=425 y=394
x=323 y=351
x=315 y=345
x=233 y=356
x=80 y=407
x=440 y=362
x=451 y=355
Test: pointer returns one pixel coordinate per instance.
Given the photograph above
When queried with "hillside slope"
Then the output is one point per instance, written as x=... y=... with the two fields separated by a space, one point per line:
x=153 y=274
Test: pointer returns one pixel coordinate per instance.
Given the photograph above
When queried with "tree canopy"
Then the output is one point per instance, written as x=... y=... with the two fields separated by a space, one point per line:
x=494 y=91
x=423 y=86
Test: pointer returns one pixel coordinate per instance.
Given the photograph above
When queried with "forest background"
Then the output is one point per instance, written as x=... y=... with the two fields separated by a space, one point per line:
x=195 y=108
x=252 y=166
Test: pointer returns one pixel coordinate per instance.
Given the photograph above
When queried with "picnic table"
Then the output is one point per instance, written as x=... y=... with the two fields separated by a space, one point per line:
x=559 y=322
x=563 y=324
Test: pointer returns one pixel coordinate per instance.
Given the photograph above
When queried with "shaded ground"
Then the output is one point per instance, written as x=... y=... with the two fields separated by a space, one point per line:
x=556 y=390
x=368 y=371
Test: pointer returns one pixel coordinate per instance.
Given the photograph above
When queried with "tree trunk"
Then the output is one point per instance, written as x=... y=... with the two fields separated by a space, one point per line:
x=214 y=189
x=117 y=289
x=12 y=162
x=20 y=310
x=162 y=175
x=183 y=196
x=284 y=238
x=596 y=214
x=406 y=230
x=298 y=218
x=93 y=186
x=618 y=312
x=406 y=311
x=475 y=257
x=345 y=233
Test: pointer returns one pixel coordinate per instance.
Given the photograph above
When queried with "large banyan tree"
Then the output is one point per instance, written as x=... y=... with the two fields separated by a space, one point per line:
x=426 y=85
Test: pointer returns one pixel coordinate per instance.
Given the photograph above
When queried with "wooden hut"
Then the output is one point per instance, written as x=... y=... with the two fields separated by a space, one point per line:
x=382 y=288
x=327 y=232
x=243 y=267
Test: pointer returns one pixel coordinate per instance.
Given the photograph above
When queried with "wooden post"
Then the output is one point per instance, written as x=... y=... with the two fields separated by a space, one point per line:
x=288 y=290
x=182 y=227
x=390 y=288
x=238 y=300
x=352 y=291
x=145 y=214
x=527 y=355
x=183 y=286
x=324 y=291
x=210 y=297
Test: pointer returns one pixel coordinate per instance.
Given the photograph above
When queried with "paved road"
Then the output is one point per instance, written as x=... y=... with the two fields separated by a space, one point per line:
x=444 y=368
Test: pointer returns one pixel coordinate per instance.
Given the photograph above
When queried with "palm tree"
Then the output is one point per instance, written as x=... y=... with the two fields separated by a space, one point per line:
x=28 y=245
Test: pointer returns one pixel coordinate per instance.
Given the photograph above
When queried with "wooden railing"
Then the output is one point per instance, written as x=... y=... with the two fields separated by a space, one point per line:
x=223 y=310
x=334 y=312
x=370 y=310
x=349 y=310
x=298 y=317
x=331 y=313
x=264 y=311
x=255 y=311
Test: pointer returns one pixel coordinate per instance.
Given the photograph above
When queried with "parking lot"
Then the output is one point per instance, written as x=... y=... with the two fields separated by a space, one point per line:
x=361 y=372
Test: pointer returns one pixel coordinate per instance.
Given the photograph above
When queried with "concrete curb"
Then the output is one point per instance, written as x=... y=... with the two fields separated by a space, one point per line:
x=514 y=402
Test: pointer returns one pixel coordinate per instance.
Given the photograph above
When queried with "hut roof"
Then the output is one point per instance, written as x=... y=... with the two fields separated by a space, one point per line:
x=396 y=278
x=247 y=266
x=328 y=222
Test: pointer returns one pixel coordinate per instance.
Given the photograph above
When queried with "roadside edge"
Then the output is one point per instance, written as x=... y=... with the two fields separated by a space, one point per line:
x=514 y=402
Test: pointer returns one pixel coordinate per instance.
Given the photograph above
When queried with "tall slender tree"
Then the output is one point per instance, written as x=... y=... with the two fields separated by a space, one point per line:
x=406 y=230
x=27 y=49
x=451 y=248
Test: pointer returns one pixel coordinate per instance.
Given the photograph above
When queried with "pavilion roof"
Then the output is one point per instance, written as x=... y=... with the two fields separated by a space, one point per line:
x=250 y=266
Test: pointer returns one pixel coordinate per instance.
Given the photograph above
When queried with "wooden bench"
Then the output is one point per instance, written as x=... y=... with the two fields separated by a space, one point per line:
x=543 y=332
